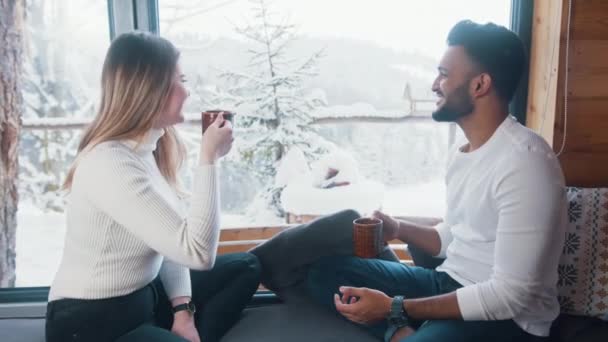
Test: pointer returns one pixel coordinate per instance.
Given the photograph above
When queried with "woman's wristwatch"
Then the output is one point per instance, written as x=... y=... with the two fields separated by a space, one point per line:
x=190 y=307
x=397 y=318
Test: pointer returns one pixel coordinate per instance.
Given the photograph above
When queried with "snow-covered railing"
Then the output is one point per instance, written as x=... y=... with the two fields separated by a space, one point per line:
x=76 y=123
x=52 y=124
x=373 y=119
x=194 y=119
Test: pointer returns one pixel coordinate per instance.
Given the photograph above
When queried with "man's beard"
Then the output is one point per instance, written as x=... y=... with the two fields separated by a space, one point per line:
x=456 y=105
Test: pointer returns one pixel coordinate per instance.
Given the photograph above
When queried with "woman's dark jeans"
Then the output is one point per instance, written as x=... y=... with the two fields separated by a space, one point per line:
x=219 y=294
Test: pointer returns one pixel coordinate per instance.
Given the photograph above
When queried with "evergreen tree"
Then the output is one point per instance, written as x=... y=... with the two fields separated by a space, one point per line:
x=272 y=100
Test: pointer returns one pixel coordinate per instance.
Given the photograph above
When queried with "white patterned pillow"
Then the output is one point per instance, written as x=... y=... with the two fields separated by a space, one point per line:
x=583 y=266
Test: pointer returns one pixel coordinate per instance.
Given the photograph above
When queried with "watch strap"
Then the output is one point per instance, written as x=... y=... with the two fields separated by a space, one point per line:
x=189 y=306
x=397 y=318
x=390 y=331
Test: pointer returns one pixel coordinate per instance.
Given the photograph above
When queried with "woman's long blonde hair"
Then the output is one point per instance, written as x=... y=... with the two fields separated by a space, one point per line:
x=136 y=81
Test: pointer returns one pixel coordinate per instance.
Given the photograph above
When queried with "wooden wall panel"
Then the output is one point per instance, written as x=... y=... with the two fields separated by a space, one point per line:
x=585 y=155
x=589 y=20
x=580 y=172
x=587 y=125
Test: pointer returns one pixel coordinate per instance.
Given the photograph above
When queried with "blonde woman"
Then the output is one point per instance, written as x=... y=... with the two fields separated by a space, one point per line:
x=137 y=264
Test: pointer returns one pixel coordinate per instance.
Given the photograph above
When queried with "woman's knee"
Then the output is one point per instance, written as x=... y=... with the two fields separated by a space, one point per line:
x=250 y=266
x=349 y=214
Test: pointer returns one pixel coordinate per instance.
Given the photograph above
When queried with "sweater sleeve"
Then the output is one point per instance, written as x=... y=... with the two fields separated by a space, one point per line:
x=530 y=200
x=175 y=279
x=117 y=182
x=445 y=237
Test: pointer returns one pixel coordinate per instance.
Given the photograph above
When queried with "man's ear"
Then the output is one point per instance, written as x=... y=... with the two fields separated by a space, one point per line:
x=482 y=85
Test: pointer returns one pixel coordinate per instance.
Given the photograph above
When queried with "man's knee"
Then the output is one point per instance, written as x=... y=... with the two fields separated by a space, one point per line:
x=321 y=271
x=321 y=280
x=324 y=274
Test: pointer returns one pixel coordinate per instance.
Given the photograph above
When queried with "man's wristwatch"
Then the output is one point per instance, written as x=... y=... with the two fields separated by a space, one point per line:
x=397 y=318
x=190 y=307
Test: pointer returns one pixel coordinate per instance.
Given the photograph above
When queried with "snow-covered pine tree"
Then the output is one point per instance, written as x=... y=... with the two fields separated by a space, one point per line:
x=272 y=101
x=53 y=87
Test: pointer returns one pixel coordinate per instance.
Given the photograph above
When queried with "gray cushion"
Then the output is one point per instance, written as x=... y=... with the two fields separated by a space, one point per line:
x=568 y=328
x=297 y=323
x=271 y=323
x=21 y=330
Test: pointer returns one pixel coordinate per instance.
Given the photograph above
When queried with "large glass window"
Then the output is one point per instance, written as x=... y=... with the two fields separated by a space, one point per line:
x=332 y=98
x=356 y=74
x=66 y=43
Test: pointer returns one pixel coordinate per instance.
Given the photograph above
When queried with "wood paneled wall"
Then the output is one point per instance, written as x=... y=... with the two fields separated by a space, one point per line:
x=585 y=153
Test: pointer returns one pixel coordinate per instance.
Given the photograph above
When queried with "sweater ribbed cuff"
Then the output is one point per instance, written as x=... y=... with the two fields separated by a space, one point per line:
x=175 y=279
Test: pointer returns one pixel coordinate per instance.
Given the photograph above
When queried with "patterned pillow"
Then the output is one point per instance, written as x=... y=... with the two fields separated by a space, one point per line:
x=583 y=266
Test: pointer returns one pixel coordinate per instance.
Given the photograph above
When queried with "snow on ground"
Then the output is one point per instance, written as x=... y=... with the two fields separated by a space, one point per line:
x=40 y=235
x=39 y=244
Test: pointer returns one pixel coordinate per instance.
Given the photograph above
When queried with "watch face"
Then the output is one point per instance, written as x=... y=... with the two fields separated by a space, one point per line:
x=191 y=307
x=397 y=316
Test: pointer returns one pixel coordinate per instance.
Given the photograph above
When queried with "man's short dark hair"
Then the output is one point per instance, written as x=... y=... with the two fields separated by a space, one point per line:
x=497 y=50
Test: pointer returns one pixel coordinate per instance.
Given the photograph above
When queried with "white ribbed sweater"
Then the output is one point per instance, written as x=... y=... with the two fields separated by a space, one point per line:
x=123 y=217
x=504 y=229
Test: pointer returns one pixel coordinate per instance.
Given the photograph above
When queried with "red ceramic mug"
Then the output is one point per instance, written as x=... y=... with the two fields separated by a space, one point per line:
x=207 y=117
x=367 y=237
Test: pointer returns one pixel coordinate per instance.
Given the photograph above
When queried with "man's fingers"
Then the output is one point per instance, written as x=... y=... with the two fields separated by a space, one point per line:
x=348 y=291
x=343 y=308
x=351 y=318
x=378 y=214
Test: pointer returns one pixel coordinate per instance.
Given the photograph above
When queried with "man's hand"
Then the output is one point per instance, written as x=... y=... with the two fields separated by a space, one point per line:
x=183 y=326
x=362 y=305
x=390 y=226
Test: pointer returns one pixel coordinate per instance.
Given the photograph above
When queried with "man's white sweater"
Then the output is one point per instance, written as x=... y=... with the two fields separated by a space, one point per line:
x=504 y=228
x=126 y=225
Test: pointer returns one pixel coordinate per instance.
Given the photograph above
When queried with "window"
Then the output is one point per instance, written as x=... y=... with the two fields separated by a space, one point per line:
x=365 y=97
x=66 y=46
x=367 y=92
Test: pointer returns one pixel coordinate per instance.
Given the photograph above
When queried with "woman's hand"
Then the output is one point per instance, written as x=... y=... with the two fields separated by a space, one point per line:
x=183 y=326
x=217 y=140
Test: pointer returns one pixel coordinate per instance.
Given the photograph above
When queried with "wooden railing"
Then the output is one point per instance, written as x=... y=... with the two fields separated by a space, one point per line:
x=195 y=119
x=233 y=240
x=51 y=124
x=411 y=114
